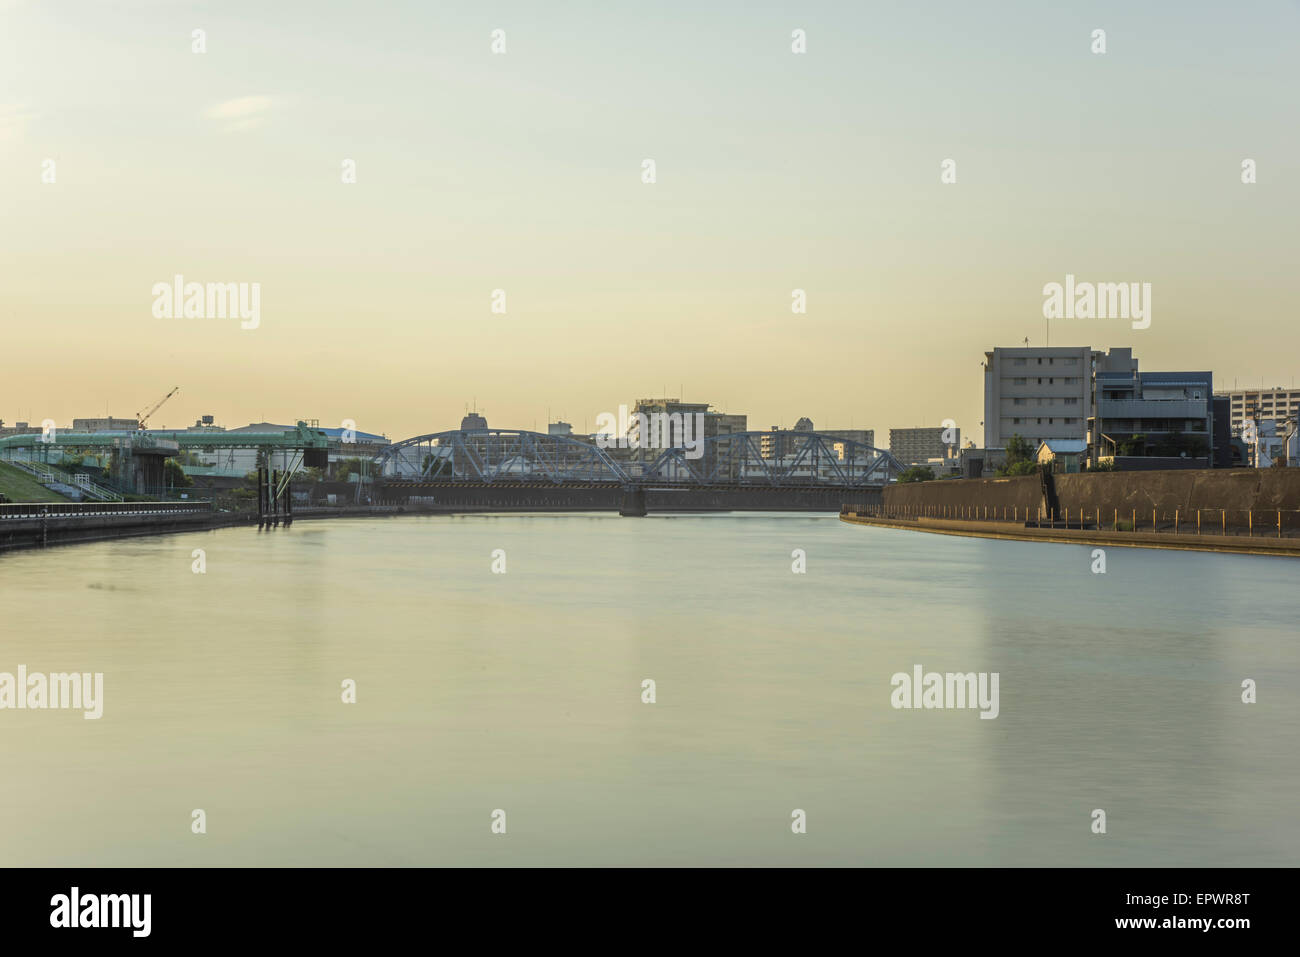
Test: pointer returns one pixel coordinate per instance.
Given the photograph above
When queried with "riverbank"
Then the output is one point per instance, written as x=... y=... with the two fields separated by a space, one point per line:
x=1021 y=532
x=38 y=525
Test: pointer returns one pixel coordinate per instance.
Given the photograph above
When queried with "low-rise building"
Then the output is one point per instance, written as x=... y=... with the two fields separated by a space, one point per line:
x=981 y=463
x=109 y=424
x=1063 y=455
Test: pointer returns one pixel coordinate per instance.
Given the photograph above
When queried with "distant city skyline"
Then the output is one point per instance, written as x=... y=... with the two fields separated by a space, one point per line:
x=777 y=174
x=450 y=419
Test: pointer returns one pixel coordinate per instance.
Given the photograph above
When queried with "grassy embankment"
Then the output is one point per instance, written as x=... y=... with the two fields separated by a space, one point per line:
x=18 y=486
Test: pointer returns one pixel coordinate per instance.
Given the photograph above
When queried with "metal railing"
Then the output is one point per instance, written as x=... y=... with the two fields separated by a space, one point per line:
x=65 y=510
x=47 y=474
x=90 y=487
x=1251 y=523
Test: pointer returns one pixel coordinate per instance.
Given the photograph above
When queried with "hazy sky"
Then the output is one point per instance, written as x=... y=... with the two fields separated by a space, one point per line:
x=522 y=172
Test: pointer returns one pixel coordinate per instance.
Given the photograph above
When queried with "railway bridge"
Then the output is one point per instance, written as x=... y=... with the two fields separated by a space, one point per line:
x=512 y=469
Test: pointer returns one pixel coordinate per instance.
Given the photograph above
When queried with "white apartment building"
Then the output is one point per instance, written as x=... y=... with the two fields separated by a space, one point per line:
x=1038 y=393
x=1261 y=404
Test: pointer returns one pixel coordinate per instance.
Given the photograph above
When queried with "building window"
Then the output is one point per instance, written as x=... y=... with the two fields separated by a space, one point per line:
x=1015 y=421
x=1018 y=362
x=1071 y=401
x=1019 y=381
x=1017 y=401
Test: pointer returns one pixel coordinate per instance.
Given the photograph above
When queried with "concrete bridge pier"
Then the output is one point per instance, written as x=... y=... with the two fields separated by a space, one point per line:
x=633 y=502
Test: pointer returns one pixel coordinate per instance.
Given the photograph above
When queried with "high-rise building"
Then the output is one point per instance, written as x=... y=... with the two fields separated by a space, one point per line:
x=776 y=442
x=861 y=436
x=1275 y=403
x=918 y=446
x=1078 y=392
x=716 y=426
x=1037 y=393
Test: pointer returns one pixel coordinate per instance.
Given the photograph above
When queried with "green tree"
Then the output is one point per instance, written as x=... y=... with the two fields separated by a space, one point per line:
x=1023 y=467
x=917 y=473
x=347 y=467
x=174 y=476
x=443 y=466
x=1020 y=457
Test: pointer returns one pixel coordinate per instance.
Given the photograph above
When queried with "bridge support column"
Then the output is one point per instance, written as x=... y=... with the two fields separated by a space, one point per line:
x=633 y=503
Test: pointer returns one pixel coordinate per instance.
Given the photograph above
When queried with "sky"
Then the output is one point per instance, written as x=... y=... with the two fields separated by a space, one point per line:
x=523 y=171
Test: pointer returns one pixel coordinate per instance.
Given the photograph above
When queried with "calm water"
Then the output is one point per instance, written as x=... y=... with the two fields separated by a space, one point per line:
x=522 y=691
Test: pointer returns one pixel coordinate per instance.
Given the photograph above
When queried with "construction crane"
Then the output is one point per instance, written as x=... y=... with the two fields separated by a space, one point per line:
x=142 y=418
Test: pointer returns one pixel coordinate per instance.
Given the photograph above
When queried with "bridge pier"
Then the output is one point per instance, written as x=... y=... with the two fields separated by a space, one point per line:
x=633 y=502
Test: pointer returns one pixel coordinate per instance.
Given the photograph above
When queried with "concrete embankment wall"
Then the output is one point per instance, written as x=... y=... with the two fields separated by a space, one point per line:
x=1183 y=489
x=24 y=533
x=1259 y=489
x=1021 y=494
x=37 y=532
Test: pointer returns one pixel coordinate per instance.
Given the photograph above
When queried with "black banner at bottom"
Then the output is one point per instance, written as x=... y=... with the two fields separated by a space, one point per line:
x=138 y=906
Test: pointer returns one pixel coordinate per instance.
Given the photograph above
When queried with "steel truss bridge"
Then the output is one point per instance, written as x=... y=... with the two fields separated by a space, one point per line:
x=512 y=457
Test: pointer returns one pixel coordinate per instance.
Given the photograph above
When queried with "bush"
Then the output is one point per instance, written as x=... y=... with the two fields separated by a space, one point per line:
x=1023 y=467
x=917 y=473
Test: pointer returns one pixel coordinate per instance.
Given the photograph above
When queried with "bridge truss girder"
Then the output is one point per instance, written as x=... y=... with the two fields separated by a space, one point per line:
x=491 y=455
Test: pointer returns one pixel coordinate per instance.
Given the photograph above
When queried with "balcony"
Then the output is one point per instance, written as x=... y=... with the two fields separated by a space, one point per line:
x=1153 y=409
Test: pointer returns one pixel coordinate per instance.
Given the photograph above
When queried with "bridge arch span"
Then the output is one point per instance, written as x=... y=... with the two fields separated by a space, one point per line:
x=781 y=459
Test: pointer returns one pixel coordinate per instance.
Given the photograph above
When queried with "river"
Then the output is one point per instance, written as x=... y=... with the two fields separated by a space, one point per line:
x=521 y=691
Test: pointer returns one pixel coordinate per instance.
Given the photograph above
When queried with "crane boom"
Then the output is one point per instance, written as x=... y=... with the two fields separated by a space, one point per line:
x=143 y=417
